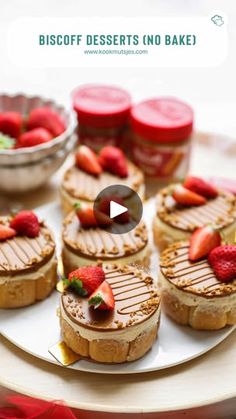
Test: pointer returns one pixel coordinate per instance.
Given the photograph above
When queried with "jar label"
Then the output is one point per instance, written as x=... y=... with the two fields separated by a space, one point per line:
x=158 y=162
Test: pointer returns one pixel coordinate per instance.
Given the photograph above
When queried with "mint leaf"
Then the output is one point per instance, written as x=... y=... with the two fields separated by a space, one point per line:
x=6 y=142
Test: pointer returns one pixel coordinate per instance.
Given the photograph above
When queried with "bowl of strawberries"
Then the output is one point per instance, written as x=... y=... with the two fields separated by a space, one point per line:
x=36 y=136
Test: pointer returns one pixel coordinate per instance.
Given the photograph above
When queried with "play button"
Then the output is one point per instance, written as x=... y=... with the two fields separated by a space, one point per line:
x=118 y=209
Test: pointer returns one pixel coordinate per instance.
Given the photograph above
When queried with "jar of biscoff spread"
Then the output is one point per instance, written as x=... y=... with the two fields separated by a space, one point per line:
x=161 y=131
x=102 y=112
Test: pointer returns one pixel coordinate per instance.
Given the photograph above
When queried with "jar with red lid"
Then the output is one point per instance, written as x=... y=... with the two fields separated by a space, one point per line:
x=161 y=138
x=102 y=113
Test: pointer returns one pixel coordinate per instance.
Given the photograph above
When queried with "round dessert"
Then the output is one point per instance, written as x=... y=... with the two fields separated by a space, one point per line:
x=85 y=179
x=192 y=292
x=86 y=246
x=122 y=334
x=176 y=219
x=28 y=266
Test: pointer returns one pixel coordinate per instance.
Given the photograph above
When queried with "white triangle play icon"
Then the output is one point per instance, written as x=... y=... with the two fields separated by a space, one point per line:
x=116 y=209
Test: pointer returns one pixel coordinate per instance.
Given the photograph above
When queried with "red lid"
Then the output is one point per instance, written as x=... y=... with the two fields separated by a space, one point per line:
x=162 y=120
x=101 y=106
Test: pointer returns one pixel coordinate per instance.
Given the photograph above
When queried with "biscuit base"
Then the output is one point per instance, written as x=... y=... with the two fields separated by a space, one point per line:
x=109 y=351
x=24 y=292
x=200 y=317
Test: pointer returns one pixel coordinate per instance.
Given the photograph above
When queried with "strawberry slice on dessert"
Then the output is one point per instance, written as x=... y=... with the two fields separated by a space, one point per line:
x=102 y=298
x=34 y=137
x=6 y=232
x=201 y=187
x=104 y=207
x=87 y=161
x=11 y=124
x=202 y=241
x=186 y=197
x=89 y=217
x=46 y=118
x=223 y=262
x=26 y=223
x=113 y=160
x=85 y=280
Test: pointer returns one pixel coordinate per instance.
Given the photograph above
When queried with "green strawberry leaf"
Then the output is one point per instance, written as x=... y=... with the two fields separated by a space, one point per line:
x=75 y=285
x=77 y=205
x=6 y=142
x=96 y=301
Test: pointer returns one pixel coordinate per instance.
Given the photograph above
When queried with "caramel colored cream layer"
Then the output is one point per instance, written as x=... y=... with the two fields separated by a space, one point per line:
x=80 y=185
x=220 y=211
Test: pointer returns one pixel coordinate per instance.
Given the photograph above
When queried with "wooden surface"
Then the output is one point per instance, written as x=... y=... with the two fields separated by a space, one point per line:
x=208 y=380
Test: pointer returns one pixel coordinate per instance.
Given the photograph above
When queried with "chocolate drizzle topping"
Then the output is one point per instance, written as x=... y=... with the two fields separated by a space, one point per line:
x=194 y=277
x=22 y=254
x=220 y=211
x=99 y=243
x=136 y=299
x=81 y=185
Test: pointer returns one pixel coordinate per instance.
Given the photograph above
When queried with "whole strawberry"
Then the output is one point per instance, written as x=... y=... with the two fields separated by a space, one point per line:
x=11 y=124
x=46 y=118
x=26 y=223
x=6 y=232
x=223 y=262
x=85 y=280
x=34 y=137
x=113 y=160
x=201 y=187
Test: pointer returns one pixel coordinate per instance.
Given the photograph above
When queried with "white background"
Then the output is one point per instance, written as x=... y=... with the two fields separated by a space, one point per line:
x=211 y=91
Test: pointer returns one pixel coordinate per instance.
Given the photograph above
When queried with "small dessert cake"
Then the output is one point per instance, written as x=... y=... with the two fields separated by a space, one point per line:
x=183 y=208
x=198 y=281
x=28 y=266
x=92 y=173
x=86 y=244
x=112 y=316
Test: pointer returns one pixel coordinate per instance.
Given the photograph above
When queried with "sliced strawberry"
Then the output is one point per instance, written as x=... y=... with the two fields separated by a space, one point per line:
x=11 y=123
x=89 y=217
x=34 y=137
x=202 y=241
x=201 y=187
x=87 y=160
x=223 y=262
x=85 y=280
x=6 y=232
x=46 y=118
x=86 y=217
x=188 y=198
x=113 y=160
x=104 y=206
x=102 y=298
x=26 y=223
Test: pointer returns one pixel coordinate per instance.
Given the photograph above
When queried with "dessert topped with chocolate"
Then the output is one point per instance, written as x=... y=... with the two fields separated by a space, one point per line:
x=21 y=253
x=198 y=280
x=92 y=173
x=197 y=277
x=220 y=211
x=99 y=243
x=28 y=265
x=136 y=300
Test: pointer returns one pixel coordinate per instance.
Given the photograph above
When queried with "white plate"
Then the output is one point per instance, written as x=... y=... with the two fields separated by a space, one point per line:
x=34 y=329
